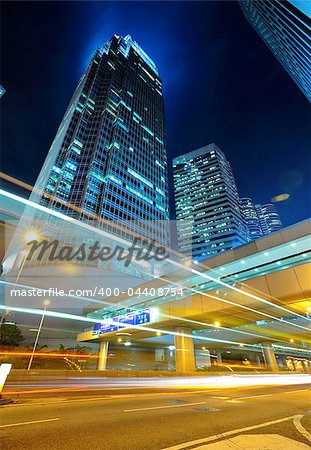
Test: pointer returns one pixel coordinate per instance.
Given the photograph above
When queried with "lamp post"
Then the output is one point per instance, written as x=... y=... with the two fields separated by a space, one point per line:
x=46 y=303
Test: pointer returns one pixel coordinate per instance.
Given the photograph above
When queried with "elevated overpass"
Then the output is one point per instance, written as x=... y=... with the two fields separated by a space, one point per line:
x=251 y=298
x=255 y=296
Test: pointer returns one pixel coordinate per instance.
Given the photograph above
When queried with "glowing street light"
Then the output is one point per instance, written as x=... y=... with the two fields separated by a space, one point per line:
x=31 y=235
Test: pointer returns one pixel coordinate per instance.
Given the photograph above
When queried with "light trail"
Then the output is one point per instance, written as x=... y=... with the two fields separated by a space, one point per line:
x=123 y=241
x=175 y=317
x=59 y=315
x=195 y=382
x=175 y=263
x=52 y=355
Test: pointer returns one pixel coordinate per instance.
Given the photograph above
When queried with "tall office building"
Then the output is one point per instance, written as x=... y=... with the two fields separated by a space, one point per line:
x=251 y=218
x=269 y=218
x=285 y=27
x=108 y=159
x=209 y=219
x=260 y=220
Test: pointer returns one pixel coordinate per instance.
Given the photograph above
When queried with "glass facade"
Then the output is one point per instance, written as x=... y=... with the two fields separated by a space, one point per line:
x=269 y=218
x=209 y=219
x=108 y=159
x=251 y=218
x=286 y=30
x=260 y=220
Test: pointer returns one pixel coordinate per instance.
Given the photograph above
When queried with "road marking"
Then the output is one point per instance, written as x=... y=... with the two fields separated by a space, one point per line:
x=221 y=398
x=254 y=396
x=255 y=442
x=164 y=407
x=29 y=423
x=240 y=399
x=299 y=390
x=301 y=429
x=229 y=433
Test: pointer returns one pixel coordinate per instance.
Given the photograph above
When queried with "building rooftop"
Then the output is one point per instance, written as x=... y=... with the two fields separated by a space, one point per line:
x=195 y=153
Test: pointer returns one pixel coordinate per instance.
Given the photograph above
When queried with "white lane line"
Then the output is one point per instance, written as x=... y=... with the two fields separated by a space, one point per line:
x=301 y=429
x=221 y=398
x=164 y=407
x=29 y=423
x=254 y=396
x=240 y=399
x=228 y=433
x=234 y=401
x=299 y=390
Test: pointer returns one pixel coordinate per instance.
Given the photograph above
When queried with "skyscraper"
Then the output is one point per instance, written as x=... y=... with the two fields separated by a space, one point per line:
x=209 y=219
x=108 y=159
x=260 y=220
x=269 y=218
x=251 y=218
x=285 y=28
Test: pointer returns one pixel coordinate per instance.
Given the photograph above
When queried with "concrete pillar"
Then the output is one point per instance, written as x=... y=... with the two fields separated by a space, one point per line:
x=184 y=350
x=102 y=355
x=269 y=357
x=219 y=358
x=258 y=362
x=305 y=365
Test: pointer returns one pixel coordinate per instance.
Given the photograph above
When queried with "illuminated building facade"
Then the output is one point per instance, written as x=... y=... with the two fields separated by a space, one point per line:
x=251 y=218
x=209 y=219
x=260 y=220
x=108 y=159
x=285 y=28
x=269 y=218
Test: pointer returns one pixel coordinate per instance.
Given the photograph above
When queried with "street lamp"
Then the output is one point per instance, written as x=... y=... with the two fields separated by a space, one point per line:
x=46 y=304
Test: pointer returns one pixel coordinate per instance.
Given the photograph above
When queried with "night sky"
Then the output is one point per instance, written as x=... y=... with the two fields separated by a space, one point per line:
x=221 y=84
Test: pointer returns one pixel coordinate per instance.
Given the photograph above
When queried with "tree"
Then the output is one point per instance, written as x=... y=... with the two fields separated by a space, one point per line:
x=10 y=335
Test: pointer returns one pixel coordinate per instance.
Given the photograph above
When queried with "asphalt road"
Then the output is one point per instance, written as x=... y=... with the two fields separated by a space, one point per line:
x=250 y=418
